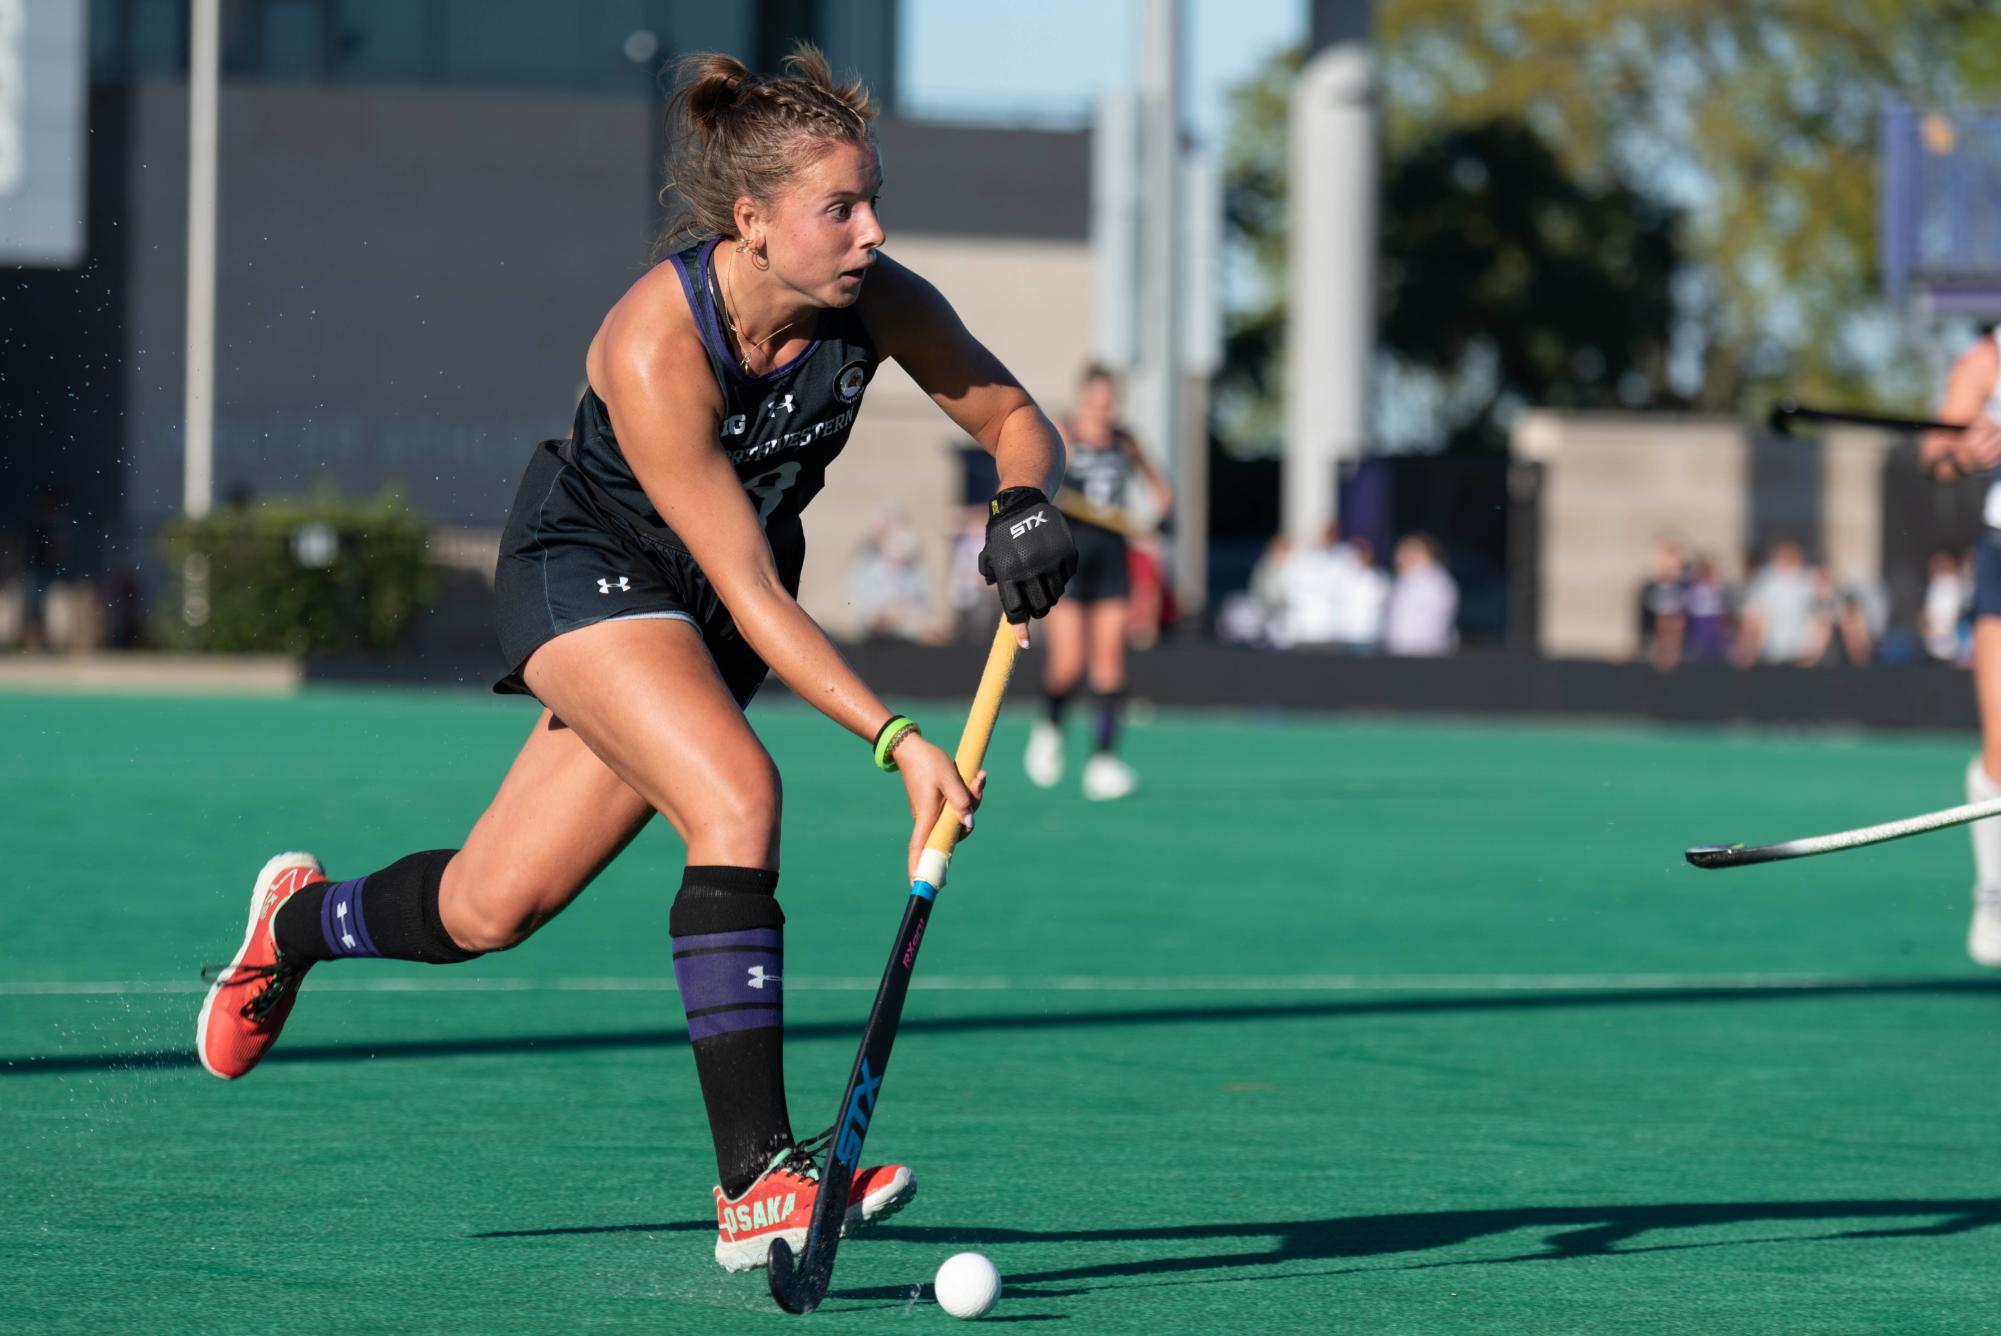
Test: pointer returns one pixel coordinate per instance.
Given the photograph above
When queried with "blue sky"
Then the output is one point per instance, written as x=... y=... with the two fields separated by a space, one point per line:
x=1045 y=61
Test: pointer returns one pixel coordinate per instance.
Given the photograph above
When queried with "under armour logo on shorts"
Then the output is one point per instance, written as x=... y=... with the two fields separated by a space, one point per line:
x=623 y=584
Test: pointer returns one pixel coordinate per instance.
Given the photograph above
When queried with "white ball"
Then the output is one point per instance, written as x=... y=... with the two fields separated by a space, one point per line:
x=967 y=1285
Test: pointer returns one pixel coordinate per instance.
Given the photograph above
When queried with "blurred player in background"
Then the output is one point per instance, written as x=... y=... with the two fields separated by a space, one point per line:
x=1087 y=631
x=1973 y=396
x=647 y=578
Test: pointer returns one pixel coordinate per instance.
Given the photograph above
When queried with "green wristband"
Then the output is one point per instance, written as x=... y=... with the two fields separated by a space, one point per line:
x=886 y=740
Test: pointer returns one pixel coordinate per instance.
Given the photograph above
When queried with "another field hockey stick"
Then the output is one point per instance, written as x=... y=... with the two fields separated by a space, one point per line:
x=1742 y=855
x=1786 y=412
x=799 y=1285
x=1076 y=506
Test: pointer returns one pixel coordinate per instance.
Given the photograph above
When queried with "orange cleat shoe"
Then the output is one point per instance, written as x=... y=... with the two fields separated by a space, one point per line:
x=251 y=997
x=779 y=1205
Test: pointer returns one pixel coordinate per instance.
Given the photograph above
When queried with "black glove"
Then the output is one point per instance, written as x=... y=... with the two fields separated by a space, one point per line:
x=1028 y=553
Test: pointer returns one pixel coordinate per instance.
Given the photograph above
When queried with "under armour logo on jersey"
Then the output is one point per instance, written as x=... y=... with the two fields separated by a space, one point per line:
x=758 y=978
x=623 y=584
x=784 y=405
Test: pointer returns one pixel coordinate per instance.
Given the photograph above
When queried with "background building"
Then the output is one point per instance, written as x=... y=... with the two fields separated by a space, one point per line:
x=426 y=207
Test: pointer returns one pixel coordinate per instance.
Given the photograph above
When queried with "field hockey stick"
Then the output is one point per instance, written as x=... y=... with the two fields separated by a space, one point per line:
x=1077 y=507
x=799 y=1285
x=1788 y=411
x=1742 y=855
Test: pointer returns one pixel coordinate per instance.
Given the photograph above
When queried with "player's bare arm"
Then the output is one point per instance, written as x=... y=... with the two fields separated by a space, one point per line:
x=912 y=322
x=1156 y=481
x=649 y=367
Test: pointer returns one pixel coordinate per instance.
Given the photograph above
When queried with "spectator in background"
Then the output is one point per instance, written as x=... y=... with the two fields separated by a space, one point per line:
x=1705 y=612
x=1362 y=600
x=1424 y=601
x=1785 y=619
x=1840 y=628
x=1942 y=621
x=887 y=586
x=1267 y=589
x=1312 y=583
x=974 y=604
x=1663 y=608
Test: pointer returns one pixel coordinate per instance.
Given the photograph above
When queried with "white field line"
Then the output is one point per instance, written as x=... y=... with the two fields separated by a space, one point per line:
x=1084 y=983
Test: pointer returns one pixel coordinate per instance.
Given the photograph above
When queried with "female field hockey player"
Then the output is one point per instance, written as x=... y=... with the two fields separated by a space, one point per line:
x=1973 y=396
x=646 y=581
x=1087 y=632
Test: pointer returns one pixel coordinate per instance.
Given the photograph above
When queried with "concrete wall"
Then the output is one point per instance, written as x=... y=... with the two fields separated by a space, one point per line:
x=1615 y=485
x=407 y=281
x=409 y=278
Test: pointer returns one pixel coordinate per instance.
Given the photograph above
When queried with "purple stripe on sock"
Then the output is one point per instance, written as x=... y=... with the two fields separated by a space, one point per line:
x=743 y=970
x=326 y=922
x=340 y=915
x=728 y=1022
x=361 y=922
x=729 y=977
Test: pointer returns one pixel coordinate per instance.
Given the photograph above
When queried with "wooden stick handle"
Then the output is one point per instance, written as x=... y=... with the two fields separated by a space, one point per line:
x=979 y=729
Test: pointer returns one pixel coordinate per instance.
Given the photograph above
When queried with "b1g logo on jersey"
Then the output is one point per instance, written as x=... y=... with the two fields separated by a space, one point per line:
x=851 y=382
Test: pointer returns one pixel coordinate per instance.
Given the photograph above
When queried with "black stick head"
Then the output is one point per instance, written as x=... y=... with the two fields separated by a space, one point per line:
x=1715 y=855
x=1782 y=415
x=791 y=1284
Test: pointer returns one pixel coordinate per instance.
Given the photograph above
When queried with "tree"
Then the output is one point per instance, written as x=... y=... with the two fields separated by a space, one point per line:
x=1504 y=281
x=1514 y=284
x=1754 y=120
x=1757 y=117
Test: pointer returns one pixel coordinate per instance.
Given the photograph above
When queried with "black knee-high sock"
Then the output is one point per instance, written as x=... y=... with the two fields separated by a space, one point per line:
x=1108 y=717
x=392 y=913
x=729 y=956
x=1058 y=704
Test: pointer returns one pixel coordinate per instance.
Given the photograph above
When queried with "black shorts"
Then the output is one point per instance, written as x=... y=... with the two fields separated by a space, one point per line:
x=1101 y=564
x=567 y=563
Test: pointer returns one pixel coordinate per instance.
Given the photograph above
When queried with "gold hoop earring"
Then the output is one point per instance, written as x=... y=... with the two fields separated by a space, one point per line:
x=760 y=261
x=742 y=247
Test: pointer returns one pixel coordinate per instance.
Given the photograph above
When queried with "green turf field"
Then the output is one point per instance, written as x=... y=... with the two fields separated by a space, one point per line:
x=1363 y=1027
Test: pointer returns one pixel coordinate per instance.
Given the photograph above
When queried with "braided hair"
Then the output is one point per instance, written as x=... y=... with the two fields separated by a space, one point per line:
x=748 y=134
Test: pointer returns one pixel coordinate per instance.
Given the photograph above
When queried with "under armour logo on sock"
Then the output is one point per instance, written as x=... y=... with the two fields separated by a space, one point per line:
x=344 y=921
x=758 y=978
x=623 y=584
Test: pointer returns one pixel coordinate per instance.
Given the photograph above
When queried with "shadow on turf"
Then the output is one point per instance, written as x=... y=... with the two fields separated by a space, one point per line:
x=495 y=1045
x=1571 y=1232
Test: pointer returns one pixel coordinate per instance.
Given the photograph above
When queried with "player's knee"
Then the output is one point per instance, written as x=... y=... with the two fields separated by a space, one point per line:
x=504 y=916
x=744 y=820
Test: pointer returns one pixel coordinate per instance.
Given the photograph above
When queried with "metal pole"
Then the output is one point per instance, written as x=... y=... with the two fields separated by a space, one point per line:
x=204 y=67
x=1330 y=306
x=1156 y=389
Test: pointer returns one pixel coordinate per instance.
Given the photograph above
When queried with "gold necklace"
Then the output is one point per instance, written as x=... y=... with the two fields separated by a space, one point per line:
x=747 y=346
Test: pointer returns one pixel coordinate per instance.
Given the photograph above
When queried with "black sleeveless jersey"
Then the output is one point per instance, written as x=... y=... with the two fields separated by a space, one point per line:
x=1098 y=469
x=780 y=430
